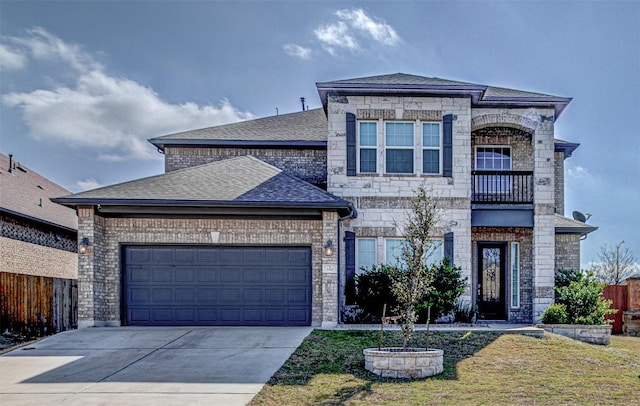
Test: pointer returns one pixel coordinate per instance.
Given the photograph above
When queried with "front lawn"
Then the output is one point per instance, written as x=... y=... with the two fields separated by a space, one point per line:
x=479 y=368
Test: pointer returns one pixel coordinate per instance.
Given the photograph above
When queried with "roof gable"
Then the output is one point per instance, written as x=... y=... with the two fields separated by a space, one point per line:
x=26 y=193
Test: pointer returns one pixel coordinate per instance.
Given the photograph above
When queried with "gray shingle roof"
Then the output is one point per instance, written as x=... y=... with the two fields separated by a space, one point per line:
x=26 y=193
x=570 y=226
x=242 y=181
x=402 y=83
x=304 y=128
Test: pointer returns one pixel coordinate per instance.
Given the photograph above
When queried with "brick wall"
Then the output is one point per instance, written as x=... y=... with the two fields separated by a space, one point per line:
x=32 y=259
x=99 y=269
x=559 y=175
x=523 y=236
x=518 y=140
x=307 y=164
x=567 y=251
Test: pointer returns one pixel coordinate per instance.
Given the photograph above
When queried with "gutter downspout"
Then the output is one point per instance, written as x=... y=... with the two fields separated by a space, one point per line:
x=353 y=213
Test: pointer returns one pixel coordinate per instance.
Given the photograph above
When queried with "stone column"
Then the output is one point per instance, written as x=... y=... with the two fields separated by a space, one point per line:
x=330 y=270
x=544 y=208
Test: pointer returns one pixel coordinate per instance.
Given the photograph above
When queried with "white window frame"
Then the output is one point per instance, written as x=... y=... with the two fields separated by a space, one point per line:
x=375 y=251
x=429 y=148
x=493 y=146
x=374 y=148
x=516 y=275
x=505 y=188
x=412 y=147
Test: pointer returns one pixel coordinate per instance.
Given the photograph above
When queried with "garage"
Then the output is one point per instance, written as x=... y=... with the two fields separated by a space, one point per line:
x=216 y=285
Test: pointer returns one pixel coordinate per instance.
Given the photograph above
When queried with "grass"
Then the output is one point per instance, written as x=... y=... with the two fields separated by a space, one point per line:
x=479 y=369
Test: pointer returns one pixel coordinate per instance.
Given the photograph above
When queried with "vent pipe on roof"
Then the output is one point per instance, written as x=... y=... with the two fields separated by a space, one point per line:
x=10 y=162
x=302 y=101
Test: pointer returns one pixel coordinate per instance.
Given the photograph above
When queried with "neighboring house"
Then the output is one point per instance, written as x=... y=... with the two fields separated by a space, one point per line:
x=38 y=244
x=243 y=241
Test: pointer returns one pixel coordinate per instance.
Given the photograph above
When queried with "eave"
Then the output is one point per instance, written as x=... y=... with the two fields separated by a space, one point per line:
x=161 y=144
x=37 y=220
x=202 y=207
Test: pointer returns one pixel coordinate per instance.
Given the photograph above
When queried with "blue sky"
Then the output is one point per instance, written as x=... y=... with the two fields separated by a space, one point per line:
x=85 y=84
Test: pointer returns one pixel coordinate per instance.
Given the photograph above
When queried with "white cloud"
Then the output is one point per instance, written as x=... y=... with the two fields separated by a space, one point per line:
x=335 y=36
x=87 y=184
x=11 y=58
x=377 y=29
x=578 y=172
x=112 y=116
x=297 y=51
x=352 y=27
x=42 y=45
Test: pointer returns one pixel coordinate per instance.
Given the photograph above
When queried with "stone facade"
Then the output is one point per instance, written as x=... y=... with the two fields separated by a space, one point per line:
x=100 y=269
x=399 y=363
x=304 y=163
x=381 y=199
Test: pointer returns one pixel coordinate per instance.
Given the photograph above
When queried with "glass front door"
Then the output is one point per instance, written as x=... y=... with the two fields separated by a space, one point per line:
x=491 y=281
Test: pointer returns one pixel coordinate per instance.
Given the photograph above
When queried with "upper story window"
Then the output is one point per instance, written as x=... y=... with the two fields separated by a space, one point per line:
x=367 y=146
x=493 y=158
x=431 y=151
x=399 y=144
x=399 y=147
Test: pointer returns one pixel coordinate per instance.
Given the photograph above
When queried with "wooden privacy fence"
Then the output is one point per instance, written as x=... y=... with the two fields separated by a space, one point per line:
x=35 y=306
x=618 y=294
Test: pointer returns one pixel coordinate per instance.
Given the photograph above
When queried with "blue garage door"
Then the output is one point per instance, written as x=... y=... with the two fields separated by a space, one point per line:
x=216 y=286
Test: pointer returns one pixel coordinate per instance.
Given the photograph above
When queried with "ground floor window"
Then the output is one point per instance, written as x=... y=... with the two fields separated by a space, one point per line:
x=393 y=251
x=515 y=275
x=365 y=253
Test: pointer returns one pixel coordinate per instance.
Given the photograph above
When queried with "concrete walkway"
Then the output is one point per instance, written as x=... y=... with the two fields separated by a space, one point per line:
x=147 y=366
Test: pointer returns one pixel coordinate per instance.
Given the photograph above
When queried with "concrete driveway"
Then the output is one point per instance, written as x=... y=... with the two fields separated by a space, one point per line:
x=147 y=365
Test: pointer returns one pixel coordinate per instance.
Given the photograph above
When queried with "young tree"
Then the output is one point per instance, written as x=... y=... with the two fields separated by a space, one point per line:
x=616 y=264
x=413 y=279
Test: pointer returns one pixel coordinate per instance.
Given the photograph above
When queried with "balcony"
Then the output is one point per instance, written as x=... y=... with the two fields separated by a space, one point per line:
x=502 y=187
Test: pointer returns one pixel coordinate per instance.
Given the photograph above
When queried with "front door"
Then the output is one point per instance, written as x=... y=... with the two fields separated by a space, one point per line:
x=491 y=281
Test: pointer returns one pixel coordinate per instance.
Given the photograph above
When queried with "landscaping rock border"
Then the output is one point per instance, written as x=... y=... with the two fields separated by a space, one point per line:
x=598 y=334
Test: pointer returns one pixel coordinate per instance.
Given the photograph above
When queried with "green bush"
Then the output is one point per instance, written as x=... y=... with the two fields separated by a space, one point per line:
x=464 y=312
x=373 y=290
x=583 y=300
x=565 y=276
x=555 y=314
x=448 y=285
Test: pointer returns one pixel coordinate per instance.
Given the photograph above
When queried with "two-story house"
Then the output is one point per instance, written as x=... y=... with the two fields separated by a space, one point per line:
x=241 y=231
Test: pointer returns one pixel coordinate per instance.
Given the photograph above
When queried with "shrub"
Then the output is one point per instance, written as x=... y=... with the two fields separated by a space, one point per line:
x=373 y=290
x=464 y=312
x=555 y=314
x=448 y=284
x=583 y=301
x=565 y=276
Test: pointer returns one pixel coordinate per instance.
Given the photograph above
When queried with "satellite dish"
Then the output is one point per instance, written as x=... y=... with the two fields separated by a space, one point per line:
x=579 y=217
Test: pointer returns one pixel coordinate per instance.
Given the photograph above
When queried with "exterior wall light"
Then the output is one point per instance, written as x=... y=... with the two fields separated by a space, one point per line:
x=328 y=248
x=83 y=247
